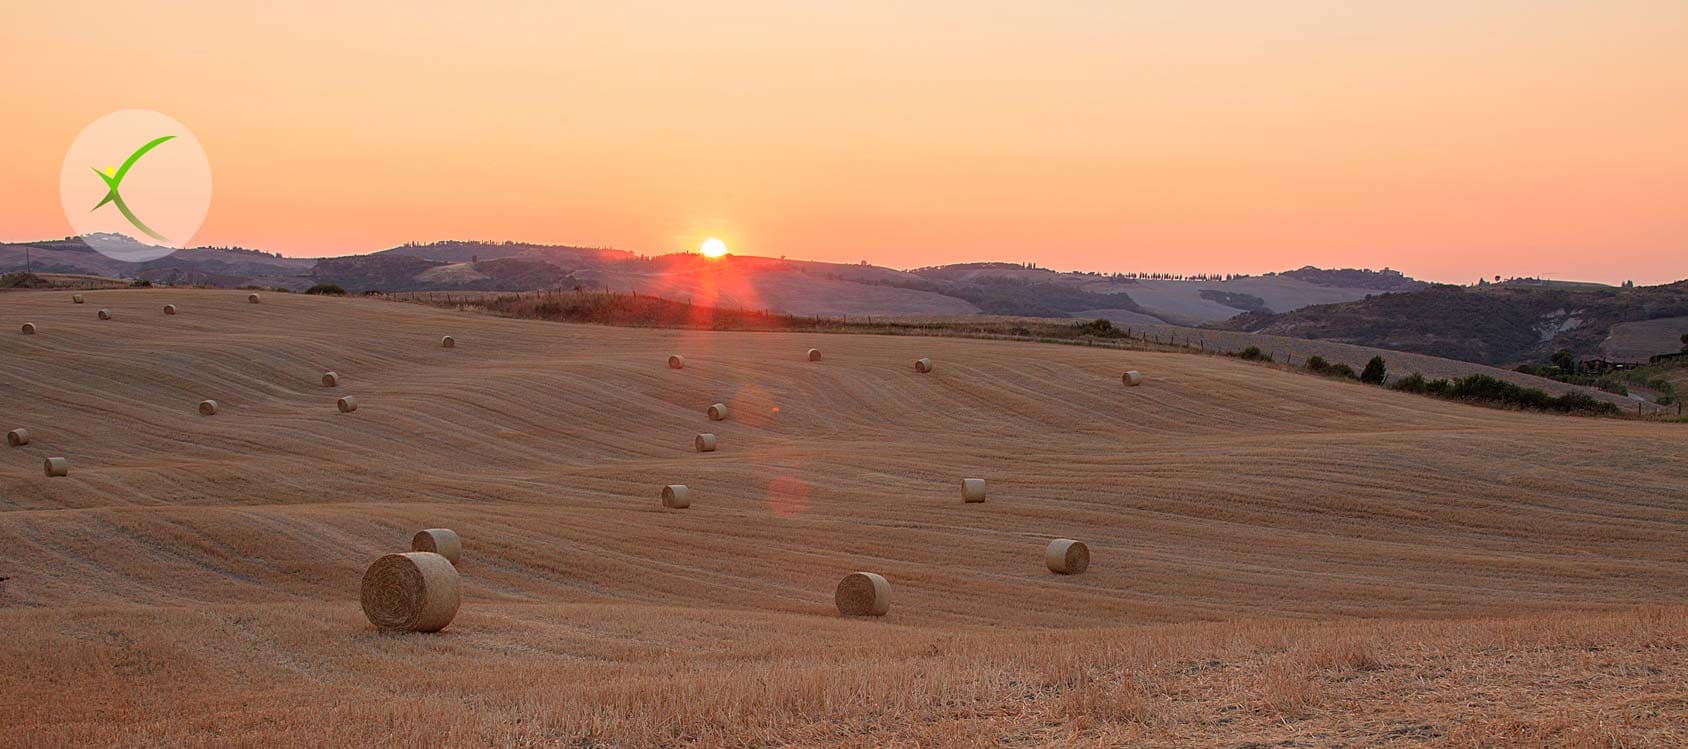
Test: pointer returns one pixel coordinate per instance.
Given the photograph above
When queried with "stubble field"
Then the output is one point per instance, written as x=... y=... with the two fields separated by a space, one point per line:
x=1275 y=557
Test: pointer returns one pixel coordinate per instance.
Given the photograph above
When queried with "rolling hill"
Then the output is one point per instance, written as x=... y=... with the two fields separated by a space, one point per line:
x=1499 y=324
x=1276 y=557
x=775 y=284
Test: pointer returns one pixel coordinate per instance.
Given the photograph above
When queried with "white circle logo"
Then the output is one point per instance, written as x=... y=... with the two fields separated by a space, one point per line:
x=135 y=185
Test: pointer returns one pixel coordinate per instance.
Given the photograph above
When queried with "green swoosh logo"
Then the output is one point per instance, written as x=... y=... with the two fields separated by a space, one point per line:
x=115 y=179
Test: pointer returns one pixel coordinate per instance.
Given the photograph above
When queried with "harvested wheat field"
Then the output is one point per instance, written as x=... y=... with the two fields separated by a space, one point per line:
x=1275 y=559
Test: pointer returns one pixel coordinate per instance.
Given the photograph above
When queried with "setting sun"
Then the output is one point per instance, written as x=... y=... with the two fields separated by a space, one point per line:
x=713 y=247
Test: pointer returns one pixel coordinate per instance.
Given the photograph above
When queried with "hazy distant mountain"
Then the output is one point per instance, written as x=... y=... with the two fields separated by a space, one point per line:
x=793 y=286
x=1495 y=324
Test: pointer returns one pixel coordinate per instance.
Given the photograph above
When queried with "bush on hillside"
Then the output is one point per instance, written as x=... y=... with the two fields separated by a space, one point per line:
x=327 y=289
x=1253 y=353
x=1481 y=388
x=1099 y=328
x=1376 y=371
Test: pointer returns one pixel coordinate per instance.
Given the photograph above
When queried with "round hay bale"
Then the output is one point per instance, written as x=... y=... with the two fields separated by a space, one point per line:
x=676 y=361
x=1066 y=556
x=29 y=328
x=718 y=412
x=347 y=404
x=208 y=408
x=330 y=379
x=416 y=591
x=56 y=467
x=105 y=314
x=705 y=443
x=77 y=299
x=1132 y=378
x=17 y=438
x=448 y=342
x=442 y=541
x=169 y=309
x=252 y=298
x=972 y=490
x=814 y=354
x=674 y=497
x=923 y=365
x=863 y=594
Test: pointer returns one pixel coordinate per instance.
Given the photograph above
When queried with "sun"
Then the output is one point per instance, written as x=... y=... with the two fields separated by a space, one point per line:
x=713 y=247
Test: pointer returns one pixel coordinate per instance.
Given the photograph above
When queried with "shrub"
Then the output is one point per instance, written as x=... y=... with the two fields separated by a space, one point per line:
x=1253 y=353
x=1564 y=360
x=1099 y=328
x=1316 y=363
x=1342 y=370
x=328 y=289
x=140 y=283
x=1376 y=371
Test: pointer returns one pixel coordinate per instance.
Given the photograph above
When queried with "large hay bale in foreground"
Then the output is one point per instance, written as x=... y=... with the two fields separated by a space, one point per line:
x=972 y=490
x=252 y=298
x=705 y=443
x=674 y=497
x=863 y=594
x=1132 y=378
x=1066 y=556
x=448 y=342
x=718 y=412
x=330 y=379
x=442 y=541
x=169 y=309
x=104 y=314
x=29 y=328
x=923 y=365
x=208 y=408
x=676 y=361
x=17 y=437
x=814 y=354
x=417 y=591
x=347 y=404
x=56 y=467
x=77 y=299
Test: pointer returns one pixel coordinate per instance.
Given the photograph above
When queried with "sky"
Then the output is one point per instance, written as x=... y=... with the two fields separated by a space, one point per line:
x=1449 y=140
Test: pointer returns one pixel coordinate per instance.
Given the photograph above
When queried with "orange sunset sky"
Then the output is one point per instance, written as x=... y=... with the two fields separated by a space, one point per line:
x=1446 y=139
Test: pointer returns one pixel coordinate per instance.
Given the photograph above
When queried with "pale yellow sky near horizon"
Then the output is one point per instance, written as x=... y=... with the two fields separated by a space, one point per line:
x=1446 y=139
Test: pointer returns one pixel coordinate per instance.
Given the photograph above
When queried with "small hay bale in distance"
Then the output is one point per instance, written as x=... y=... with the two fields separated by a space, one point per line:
x=442 y=541
x=17 y=437
x=330 y=379
x=252 y=298
x=77 y=299
x=814 y=354
x=56 y=467
x=29 y=328
x=923 y=365
x=676 y=497
x=1132 y=378
x=972 y=490
x=676 y=361
x=169 y=309
x=1066 y=556
x=718 y=412
x=208 y=408
x=105 y=314
x=417 y=591
x=863 y=594
x=705 y=443
x=448 y=342
x=347 y=404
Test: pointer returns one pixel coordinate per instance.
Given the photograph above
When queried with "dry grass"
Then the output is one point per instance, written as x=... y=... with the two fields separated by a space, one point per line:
x=1278 y=558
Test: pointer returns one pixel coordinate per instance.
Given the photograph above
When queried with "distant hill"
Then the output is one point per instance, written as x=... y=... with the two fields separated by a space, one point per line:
x=1497 y=324
x=776 y=284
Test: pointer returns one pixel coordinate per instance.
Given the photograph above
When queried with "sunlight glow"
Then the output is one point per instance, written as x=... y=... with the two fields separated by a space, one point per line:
x=713 y=247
